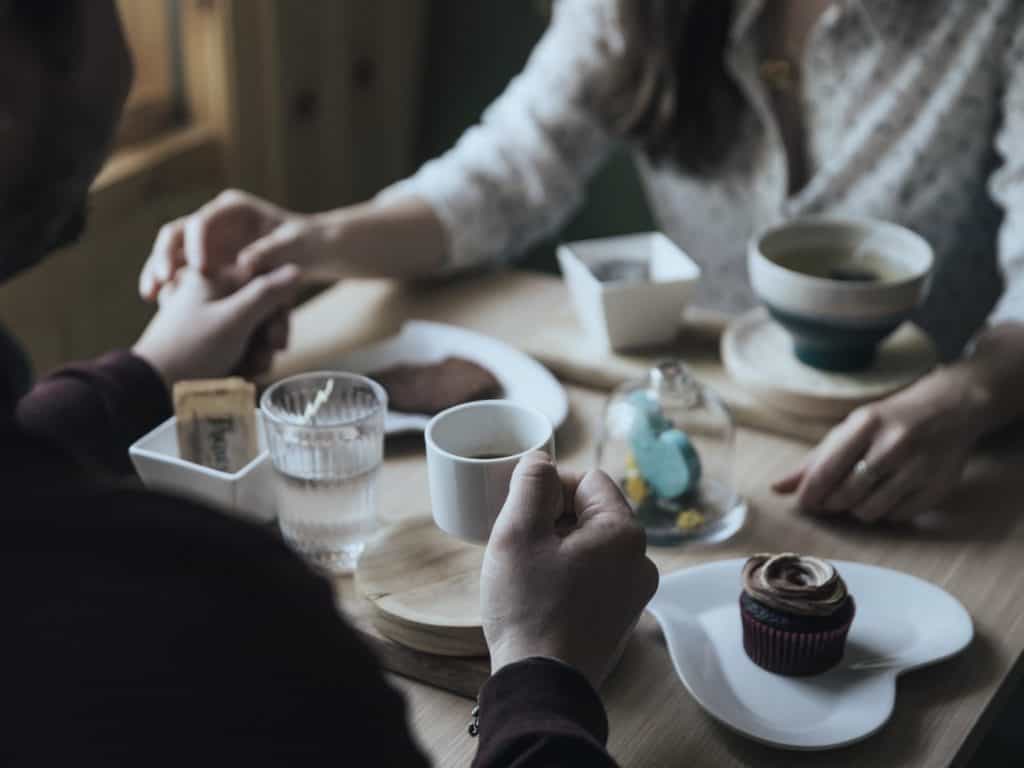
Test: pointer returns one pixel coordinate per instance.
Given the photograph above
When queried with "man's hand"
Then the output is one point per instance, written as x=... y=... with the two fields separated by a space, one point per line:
x=205 y=330
x=565 y=574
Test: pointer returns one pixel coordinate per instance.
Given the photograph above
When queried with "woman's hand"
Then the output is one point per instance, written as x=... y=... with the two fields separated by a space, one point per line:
x=207 y=329
x=237 y=234
x=894 y=459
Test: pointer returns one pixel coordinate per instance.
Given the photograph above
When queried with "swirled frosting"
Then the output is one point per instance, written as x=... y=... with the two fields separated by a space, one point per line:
x=807 y=586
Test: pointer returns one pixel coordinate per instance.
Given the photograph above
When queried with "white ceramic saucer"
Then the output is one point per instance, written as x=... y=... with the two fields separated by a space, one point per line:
x=758 y=354
x=901 y=623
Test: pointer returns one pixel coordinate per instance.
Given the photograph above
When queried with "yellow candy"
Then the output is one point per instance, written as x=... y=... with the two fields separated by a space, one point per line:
x=636 y=488
x=630 y=463
x=689 y=518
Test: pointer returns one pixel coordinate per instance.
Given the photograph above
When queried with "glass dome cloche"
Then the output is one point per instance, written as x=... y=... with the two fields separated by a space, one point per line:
x=668 y=441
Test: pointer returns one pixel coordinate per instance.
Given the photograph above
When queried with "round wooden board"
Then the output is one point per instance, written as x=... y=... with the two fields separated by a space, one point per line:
x=758 y=354
x=424 y=587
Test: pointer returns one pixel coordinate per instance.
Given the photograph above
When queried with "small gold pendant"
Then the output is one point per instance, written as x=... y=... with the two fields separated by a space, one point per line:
x=778 y=74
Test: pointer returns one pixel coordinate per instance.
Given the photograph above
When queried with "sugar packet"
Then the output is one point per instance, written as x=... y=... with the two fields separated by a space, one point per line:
x=216 y=422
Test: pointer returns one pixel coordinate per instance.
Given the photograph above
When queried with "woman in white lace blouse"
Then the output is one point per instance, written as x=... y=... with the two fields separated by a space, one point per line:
x=741 y=114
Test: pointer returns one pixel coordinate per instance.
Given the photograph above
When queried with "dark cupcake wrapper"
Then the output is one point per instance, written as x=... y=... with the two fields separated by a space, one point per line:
x=798 y=653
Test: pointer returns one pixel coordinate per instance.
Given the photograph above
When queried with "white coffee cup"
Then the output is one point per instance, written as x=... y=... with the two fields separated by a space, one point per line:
x=471 y=452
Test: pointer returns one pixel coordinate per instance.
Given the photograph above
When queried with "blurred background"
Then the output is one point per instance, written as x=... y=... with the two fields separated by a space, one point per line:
x=312 y=104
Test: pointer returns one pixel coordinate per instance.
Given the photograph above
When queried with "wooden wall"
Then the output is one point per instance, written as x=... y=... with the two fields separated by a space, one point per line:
x=344 y=110
x=317 y=100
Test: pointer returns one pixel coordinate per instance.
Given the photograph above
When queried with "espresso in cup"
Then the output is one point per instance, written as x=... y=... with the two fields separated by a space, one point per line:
x=846 y=264
x=472 y=450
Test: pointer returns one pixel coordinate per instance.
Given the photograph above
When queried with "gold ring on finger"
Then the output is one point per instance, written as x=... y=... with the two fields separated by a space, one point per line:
x=864 y=472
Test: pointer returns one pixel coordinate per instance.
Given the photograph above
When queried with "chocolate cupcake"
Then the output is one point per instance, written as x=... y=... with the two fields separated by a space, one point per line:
x=796 y=614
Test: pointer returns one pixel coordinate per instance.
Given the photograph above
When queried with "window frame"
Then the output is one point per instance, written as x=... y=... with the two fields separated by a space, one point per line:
x=154 y=104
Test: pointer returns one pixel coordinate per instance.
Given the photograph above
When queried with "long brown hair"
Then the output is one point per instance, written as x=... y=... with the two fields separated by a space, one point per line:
x=670 y=92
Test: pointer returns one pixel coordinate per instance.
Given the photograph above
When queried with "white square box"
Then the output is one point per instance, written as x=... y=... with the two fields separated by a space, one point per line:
x=248 y=493
x=624 y=315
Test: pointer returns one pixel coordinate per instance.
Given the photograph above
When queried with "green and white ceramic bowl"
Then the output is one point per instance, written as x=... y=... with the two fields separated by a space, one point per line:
x=839 y=286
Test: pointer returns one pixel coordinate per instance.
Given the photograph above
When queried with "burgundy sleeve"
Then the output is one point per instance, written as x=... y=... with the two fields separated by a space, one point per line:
x=540 y=712
x=96 y=410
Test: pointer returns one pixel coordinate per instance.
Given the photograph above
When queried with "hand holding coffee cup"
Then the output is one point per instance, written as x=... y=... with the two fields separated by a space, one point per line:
x=472 y=450
x=572 y=594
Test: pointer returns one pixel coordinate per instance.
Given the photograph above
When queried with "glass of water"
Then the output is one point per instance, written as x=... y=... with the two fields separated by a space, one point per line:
x=325 y=434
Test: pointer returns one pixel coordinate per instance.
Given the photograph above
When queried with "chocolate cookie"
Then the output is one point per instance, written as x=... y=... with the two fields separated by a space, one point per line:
x=430 y=389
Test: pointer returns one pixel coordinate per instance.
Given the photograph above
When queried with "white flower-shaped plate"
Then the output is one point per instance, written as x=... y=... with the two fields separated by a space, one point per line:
x=902 y=623
x=523 y=379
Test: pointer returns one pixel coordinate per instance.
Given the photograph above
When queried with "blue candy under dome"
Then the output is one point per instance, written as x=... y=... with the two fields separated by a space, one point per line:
x=668 y=441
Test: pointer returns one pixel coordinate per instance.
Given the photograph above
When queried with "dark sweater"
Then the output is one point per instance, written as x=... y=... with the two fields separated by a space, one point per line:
x=140 y=629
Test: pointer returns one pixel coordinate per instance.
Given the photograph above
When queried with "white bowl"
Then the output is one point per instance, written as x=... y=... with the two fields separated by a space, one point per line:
x=248 y=493
x=624 y=315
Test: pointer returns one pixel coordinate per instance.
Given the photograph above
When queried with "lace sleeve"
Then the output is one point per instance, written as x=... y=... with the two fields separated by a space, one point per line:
x=519 y=174
x=1007 y=184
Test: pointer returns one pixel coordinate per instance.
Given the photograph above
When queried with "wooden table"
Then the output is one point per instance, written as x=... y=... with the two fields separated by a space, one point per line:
x=974 y=549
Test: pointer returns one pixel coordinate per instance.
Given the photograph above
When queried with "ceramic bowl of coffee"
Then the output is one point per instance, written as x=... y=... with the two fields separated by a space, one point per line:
x=839 y=286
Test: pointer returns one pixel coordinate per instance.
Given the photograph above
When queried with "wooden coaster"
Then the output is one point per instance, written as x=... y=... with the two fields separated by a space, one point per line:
x=463 y=675
x=758 y=353
x=424 y=587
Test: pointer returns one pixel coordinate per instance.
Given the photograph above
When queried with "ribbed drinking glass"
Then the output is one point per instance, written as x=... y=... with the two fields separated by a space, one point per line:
x=325 y=434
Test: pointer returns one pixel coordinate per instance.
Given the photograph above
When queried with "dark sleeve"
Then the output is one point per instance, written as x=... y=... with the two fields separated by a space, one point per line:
x=540 y=712
x=161 y=633
x=96 y=410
